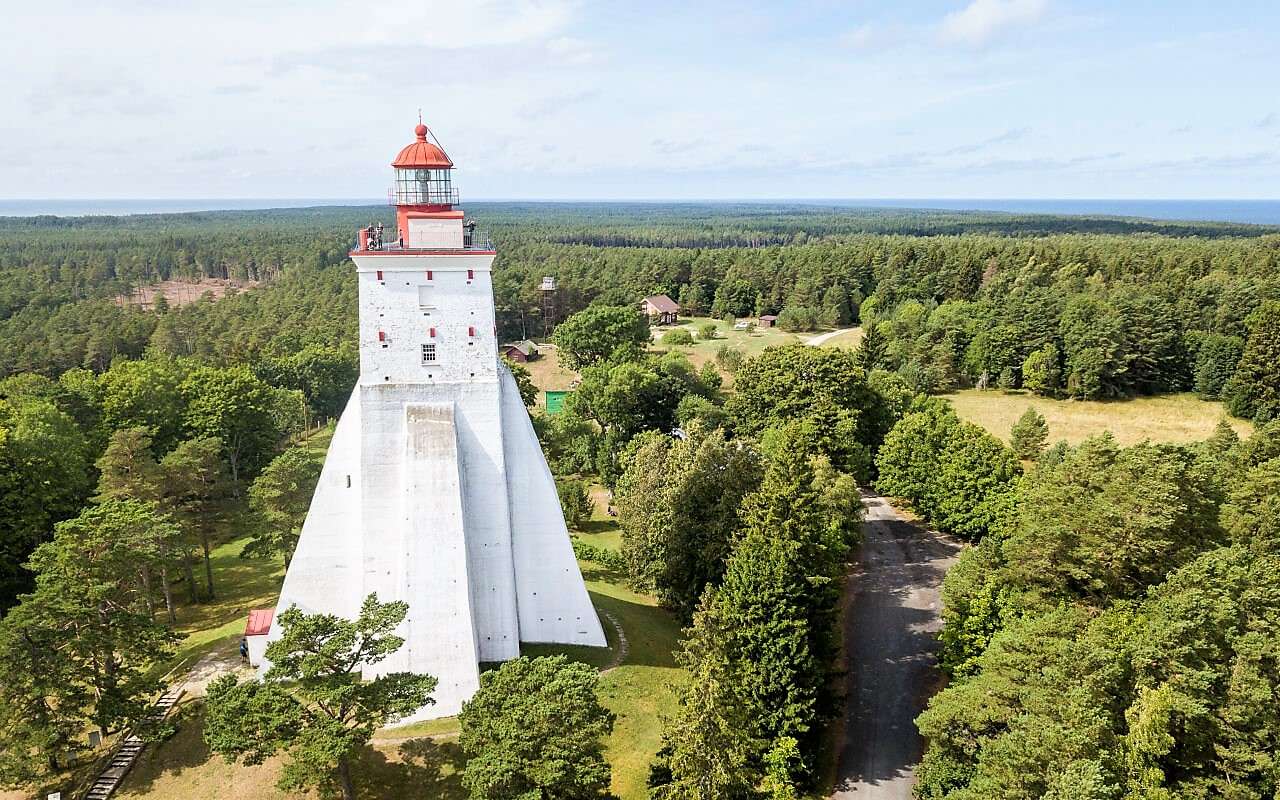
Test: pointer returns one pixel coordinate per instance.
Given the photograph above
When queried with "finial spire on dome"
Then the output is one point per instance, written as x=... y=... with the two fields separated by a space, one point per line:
x=422 y=154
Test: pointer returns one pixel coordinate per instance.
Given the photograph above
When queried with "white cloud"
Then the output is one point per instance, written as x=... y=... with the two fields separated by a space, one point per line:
x=982 y=20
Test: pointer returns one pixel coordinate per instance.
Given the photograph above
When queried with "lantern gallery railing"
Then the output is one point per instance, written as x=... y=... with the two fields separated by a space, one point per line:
x=471 y=240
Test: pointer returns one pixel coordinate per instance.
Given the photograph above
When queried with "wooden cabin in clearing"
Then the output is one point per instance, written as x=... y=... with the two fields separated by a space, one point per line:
x=521 y=352
x=768 y=321
x=660 y=309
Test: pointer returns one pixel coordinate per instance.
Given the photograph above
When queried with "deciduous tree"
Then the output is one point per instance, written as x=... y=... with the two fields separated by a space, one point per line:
x=679 y=502
x=238 y=409
x=45 y=470
x=535 y=728
x=281 y=496
x=594 y=334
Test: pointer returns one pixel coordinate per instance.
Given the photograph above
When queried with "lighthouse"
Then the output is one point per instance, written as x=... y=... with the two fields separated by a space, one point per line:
x=435 y=490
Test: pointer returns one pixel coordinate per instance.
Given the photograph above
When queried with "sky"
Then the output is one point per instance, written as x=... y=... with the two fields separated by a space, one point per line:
x=571 y=99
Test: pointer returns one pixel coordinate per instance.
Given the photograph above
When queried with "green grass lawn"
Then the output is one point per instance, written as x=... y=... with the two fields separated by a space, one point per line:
x=704 y=350
x=1167 y=418
x=848 y=340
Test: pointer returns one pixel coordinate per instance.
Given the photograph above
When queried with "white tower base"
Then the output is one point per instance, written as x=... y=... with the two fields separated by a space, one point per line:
x=440 y=496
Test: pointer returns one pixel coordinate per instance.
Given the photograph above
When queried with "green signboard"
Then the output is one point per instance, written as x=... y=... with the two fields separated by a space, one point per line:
x=555 y=402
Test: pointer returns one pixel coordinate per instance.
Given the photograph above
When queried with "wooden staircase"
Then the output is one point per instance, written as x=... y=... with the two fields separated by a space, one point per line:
x=123 y=759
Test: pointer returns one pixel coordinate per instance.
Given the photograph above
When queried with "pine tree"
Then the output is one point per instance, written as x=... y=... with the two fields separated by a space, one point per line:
x=871 y=350
x=1254 y=390
x=312 y=702
x=128 y=471
x=91 y=600
x=835 y=306
x=195 y=483
x=1029 y=435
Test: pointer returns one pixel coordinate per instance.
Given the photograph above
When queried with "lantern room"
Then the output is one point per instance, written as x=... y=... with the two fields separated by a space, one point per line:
x=424 y=198
x=424 y=173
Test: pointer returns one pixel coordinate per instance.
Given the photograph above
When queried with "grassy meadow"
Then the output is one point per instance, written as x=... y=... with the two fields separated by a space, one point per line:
x=1164 y=418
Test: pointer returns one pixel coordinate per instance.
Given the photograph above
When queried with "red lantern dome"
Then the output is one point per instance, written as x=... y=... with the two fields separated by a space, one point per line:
x=422 y=154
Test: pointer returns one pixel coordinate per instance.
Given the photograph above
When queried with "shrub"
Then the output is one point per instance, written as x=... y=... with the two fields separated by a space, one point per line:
x=729 y=359
x=801 y=318
x=707 y=331
x=609 y=559
x=677 y=337
x=575 y=501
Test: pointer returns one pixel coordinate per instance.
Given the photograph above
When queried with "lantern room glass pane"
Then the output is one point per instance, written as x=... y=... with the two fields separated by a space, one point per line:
x=424 y=187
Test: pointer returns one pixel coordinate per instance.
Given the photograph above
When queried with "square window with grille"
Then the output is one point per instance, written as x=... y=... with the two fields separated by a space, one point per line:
x=429 y=353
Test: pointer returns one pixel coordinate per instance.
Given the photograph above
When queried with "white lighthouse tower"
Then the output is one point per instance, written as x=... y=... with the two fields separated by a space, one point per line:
x=435 y=490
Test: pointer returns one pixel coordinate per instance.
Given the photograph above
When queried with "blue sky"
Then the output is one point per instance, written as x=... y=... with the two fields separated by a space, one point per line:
x=613 y=100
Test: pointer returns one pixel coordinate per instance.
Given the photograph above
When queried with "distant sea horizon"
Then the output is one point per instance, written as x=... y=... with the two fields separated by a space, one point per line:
x=1256 y=212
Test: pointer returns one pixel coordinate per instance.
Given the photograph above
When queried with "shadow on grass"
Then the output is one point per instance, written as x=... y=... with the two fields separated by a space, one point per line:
x=652 y=632
x=591 y=571
x=183 y=751
x=423 y=768
x=598 y=526
x=418 y=768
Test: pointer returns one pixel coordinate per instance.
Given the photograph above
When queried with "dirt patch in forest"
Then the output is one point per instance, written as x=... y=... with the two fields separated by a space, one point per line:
x=181 y=291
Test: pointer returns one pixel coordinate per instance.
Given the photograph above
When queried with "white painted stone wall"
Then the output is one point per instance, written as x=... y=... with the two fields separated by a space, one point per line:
x=461 y=312
x=257 y=646
x=324 y=575
x=428 y=233
x=552 y=599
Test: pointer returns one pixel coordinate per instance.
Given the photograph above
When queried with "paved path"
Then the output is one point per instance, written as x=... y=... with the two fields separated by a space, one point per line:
x=891 y=622
x=821 y=339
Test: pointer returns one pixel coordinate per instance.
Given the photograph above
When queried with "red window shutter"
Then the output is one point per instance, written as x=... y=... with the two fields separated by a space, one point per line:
x=382 y=336
x=471 y=330
x=433 y=333
x=379 y=274
x=471 y=274
x=429 y=275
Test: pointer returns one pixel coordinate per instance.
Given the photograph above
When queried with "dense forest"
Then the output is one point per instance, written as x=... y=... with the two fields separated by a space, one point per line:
x=1062 y=306
x=121 y=426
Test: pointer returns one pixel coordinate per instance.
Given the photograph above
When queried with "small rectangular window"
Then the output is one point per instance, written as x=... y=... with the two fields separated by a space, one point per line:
x=471 y=274
x=429 y=275
x=379 y=274
x=429 y=353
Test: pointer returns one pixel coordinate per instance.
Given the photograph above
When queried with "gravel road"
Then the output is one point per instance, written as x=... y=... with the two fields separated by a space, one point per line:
x=891 y=624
